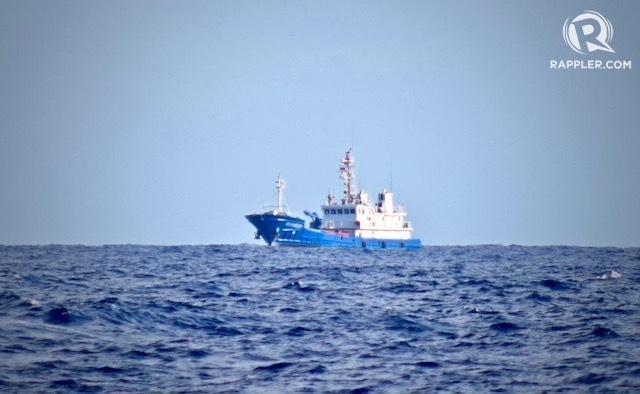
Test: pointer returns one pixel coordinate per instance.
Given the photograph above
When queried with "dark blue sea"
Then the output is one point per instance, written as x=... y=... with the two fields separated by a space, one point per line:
x=265 y=319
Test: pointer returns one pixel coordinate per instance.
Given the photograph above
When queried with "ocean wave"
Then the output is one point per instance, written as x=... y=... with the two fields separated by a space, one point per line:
x=243 y=318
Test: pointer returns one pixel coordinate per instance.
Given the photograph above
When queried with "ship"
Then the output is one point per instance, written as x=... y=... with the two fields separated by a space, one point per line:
x=354 y=220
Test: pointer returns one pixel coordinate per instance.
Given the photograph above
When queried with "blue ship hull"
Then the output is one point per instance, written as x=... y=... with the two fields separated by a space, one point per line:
x=286 y=230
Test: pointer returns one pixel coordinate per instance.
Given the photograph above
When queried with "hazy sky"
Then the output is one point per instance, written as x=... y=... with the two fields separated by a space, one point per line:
x=163 y=122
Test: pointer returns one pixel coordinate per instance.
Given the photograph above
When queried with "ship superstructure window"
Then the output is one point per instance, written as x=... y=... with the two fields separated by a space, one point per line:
x=352 y=210
x=339 y=211
x=333 y=211
x=326 y=211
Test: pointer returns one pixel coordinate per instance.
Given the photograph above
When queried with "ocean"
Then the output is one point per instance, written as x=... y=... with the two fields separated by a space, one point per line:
x=248 y=318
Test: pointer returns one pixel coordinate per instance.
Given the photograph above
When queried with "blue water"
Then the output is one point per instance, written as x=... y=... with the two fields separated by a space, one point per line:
x=259 y=319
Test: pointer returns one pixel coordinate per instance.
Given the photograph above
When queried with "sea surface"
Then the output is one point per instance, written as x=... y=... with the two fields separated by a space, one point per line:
x=248 y=318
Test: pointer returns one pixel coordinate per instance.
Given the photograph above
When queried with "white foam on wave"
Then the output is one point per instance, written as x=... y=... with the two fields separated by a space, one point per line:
x=33 y=303
x=609 y=275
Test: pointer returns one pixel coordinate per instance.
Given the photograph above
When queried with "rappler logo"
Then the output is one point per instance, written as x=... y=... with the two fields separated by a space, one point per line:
x=588 y=32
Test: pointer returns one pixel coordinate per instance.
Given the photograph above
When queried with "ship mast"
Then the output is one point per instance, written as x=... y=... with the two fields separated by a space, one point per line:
x=279 y=186
x=348 y=178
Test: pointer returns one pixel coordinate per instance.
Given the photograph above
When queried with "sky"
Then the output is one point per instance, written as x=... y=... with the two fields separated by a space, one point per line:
x=164 y=122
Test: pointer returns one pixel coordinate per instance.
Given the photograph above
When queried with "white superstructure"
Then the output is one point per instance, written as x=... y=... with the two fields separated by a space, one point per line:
x=355 y=215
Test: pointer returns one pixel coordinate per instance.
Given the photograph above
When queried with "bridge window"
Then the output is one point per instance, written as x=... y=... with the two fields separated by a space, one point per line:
x=339 y=211
x=352 y=210
x=326 y=211
x=333 y=211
